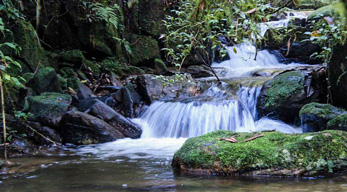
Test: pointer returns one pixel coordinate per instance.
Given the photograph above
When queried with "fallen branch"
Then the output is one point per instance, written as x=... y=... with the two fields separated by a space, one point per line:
x=48 y=139
x=252 y=138
x=231 y=140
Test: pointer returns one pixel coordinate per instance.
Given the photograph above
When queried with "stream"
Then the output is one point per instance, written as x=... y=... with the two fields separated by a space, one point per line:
x=145 y=164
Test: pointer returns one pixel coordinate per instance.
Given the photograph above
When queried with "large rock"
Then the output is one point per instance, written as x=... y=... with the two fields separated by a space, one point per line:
x=126 y=127
x=152 y=87
x=103 y=111
x=316 y=116
x=338 y=76
x=48 y=108
x=144 y=49
x=274 y=154
x=82 y=129
x=31 y=55
x=284 y=96
x=151 y=13
x=45 y=80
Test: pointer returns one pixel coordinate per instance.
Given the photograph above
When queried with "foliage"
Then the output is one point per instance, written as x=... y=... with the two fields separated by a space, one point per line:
x=198 y=26
x=328 y=32
x=113 y=18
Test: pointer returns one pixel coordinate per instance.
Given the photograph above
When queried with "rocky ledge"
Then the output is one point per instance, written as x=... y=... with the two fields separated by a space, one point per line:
x=264 y=154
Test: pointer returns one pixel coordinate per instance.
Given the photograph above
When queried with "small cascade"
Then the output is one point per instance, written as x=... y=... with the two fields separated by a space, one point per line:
x=212 y=111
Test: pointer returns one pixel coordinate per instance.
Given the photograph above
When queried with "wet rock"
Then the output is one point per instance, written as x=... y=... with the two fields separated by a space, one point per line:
x=274 y=154
x=48 y=108
x=153 y=88
x=82 y=129
x=126 y=127
x=284 y=96
x=315 y=116
x=45 y=80
x=198 y=71
x=130 y=100
x=103 y=111
x=19 y=147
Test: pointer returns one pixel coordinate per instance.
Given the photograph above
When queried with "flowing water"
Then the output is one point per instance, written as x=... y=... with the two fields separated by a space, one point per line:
x=145 y=164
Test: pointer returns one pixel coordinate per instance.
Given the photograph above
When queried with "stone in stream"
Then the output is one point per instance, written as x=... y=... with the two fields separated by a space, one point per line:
x=153 y=88
x=284 y=96
x=81 y=129
x=316 y=117
x=126 y=127
x=274 y=154
x=48 y=108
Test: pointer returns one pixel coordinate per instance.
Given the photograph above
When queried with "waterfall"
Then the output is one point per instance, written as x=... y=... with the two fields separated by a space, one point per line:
x=220 y=107
x=212 y=111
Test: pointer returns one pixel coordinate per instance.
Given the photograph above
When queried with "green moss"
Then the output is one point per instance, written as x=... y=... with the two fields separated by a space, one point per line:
x=275 y=150
x=144 y=48
x=111 y=64
x=325 y=111
x=32 y=53
x=339 y=123
x=283 y=88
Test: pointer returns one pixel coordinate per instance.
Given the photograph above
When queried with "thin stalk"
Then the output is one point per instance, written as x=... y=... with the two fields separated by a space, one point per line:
x=3 y=114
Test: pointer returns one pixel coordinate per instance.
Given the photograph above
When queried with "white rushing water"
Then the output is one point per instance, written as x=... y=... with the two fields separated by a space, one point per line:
x=167 y=124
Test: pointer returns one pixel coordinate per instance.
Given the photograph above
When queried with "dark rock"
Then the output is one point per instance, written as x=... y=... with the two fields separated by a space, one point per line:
x=52 y=134
x=198 y=71
x=45 y=80
x=130 y=100
x=100 y=109
x=315 y=116
x=284 y=96
x=151 y=13
x=85 y=104
x=152 y=88
x=82 y=91
x=126 y=127
x=274 y=154
x=82 y=129
x=160 y=66
x=338 y=76
x=48 y=108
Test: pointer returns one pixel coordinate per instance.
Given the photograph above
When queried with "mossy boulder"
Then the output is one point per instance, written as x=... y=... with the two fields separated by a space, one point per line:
x=284 y=96
x=45 y=80
x=145 y=50
x=274 y=154
x=315 y=116
x=338 y=123
x=328 y=10
x=48 y=108
x=31 y=54
x=302 y=4
x=151 y=13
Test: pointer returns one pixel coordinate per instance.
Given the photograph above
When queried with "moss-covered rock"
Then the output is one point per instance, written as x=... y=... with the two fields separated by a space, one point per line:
x=45 y=80
x=284 y=96
x=274 y=154
x=302 y=4
x=32 y=54
x=48 y=108
x=338 y=123
x=328 y=10
x=151 y=13
x=145 y=50
x=315 y=116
